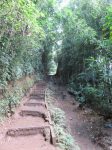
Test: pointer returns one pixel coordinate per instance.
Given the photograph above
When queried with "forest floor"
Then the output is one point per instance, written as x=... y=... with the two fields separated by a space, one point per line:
x=25 y=129
x=84 y=124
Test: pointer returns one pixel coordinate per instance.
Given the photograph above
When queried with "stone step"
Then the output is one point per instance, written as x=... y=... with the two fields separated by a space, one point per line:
x=35 y=142
x=43 y=130
x=37 y=97
x=32 y=113
x=41 y=84
x=36 y=101
x=34 y=104
x=37 y=91
x=37 y=94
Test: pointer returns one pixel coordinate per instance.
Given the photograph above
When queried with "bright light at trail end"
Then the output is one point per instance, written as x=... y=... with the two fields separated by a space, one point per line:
x=64 y=3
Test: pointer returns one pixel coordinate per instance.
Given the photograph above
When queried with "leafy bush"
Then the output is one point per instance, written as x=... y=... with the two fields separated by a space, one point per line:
x=64 y=140
x=93 y=96
x=9 y=102
x=58 y=116
x=12 y=98
x=20 y=39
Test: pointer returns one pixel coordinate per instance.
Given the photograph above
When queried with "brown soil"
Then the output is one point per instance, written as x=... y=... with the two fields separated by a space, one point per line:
x=29 y=131
x=84 y=124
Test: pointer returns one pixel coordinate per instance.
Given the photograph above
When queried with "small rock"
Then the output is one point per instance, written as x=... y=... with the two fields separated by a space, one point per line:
x=70 y=118
x=79 y=133
x=110 y=148
x=108 y=125
x=73 y=103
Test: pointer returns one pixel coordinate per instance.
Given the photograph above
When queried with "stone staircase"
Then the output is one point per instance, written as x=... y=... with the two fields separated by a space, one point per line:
x=30 y=128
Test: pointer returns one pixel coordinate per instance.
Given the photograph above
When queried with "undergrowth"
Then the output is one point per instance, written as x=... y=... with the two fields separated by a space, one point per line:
x=63 y=138
x=11 y=98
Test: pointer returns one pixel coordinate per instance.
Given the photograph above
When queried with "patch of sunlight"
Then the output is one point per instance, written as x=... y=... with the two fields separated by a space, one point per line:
x=64 y=3
x=52 y=67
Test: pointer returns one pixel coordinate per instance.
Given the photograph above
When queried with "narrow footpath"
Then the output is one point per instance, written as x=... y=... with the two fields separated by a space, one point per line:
x=84 y=125
x=29 y=128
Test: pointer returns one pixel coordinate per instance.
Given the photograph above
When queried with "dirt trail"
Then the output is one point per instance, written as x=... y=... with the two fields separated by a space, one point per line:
x=29 y=128
x=81 y=123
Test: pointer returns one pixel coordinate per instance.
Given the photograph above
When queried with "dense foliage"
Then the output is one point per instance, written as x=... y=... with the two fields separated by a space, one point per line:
x=86 y=56
x=27 y=35
x=35 y=35
x=20 y=38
